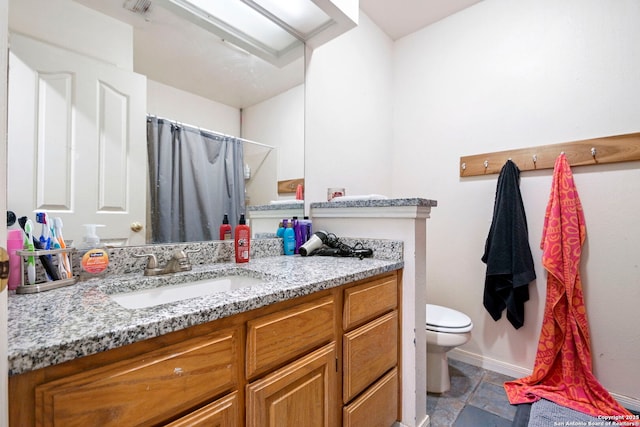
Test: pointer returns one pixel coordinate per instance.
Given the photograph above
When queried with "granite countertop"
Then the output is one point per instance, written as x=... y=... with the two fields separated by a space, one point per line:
x=67 y=323
x=376 y=203
x=284 y=205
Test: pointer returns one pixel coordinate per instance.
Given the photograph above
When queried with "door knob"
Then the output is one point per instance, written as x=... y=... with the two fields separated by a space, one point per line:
x=136 y=226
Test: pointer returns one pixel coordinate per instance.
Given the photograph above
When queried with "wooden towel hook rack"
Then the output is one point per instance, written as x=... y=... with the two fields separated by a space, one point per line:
x=610 y=149
x=289 y=185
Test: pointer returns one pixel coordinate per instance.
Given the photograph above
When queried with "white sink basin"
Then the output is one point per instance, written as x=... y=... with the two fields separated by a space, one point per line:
x=173 y=293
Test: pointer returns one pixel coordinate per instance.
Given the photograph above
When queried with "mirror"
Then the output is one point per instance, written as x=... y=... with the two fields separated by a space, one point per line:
x=192 y=76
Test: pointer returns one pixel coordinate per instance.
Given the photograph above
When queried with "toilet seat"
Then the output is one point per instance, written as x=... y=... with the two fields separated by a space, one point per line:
x=444 y=319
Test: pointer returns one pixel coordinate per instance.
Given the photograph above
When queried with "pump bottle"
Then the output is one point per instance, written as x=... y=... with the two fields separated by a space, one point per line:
x=94 y=256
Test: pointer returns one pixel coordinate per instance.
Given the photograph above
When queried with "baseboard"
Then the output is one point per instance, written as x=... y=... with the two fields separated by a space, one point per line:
x=425 y=423
x=488 y=363
x=519 y=372
x=627 y=402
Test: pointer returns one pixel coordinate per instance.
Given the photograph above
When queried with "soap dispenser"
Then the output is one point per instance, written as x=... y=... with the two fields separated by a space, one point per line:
x=94 y=258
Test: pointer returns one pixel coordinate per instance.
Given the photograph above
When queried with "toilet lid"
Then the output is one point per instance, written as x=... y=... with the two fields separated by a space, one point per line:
x=444 y=319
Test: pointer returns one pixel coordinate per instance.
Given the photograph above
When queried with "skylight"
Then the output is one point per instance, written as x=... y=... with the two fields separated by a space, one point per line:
x=274 y=30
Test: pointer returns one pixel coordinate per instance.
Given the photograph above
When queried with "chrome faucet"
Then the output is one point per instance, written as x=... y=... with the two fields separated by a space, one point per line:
x=178 y=262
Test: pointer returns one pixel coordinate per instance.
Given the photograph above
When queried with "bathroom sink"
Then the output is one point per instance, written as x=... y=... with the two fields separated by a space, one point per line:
x=151 y=297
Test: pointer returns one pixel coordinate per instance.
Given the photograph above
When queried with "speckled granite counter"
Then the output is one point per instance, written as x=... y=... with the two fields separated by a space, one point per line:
x=285 y=205
x=376 y=203
x=63 y=324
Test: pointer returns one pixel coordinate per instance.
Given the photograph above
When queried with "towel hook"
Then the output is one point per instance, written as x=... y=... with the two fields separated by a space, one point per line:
x=486 y=164
x=535 y=159
x=593 y=152
x=463 y=165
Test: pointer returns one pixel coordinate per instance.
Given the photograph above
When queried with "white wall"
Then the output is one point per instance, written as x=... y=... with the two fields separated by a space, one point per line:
x=497 y=76
x=505 y=75
x=67 y=24
x=348 y=114
x=278 y=122
x=175 y=104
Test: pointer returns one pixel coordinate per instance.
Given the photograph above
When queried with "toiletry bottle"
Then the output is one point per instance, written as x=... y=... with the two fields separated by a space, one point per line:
x=242 y=240
x=94 y=258
x=225 y=229
x=289 y=240
x=306 y=229
x=280 y=232
x=14 y=243
x=296 y=233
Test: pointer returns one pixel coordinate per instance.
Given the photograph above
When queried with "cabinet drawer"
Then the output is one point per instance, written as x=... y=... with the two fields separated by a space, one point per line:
x=369 y=300
x=377 y=406
x=279 y=337
x=145 y=389
x=369 y=352
x=224 y=412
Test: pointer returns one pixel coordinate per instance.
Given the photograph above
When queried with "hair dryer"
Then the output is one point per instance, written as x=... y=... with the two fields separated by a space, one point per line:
x=316 y=241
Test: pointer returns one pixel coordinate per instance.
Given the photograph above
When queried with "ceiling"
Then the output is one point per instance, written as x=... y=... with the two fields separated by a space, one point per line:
x=398 y=18
x=172 y=51
x=178 y=53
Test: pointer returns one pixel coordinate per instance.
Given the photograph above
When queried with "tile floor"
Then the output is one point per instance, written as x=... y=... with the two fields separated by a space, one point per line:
x=476 y=398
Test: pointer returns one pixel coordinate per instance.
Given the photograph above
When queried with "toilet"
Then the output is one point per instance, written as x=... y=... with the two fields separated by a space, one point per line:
x=446 y=329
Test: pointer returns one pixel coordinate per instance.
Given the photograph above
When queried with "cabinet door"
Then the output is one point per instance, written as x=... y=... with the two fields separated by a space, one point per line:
x=302 y=394
x=224 y=412
x=369 y=352
x=146 y=389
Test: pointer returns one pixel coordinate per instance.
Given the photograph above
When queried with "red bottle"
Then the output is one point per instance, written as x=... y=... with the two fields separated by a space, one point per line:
x=242 y=240
x=225 y=229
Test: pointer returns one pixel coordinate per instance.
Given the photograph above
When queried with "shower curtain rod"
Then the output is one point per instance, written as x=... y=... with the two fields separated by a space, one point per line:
x=270 y=147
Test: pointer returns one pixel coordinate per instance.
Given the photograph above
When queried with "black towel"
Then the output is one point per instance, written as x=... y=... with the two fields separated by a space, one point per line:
x=507 y=252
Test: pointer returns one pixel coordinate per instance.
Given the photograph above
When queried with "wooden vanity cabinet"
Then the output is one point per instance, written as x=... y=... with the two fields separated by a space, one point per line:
x=326 y=359
x=370 y=353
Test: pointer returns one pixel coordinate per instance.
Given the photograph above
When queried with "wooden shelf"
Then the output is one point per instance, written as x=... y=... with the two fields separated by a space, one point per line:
x=611 y=149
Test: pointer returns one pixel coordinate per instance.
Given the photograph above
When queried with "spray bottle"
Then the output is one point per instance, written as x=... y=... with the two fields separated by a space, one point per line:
x=225 y=229
x=242 y=240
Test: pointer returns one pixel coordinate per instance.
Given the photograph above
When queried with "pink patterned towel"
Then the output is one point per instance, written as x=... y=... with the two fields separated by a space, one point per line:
x=563 y=371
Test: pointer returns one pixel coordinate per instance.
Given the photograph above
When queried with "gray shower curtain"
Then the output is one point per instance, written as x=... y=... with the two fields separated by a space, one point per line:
x=196 y=177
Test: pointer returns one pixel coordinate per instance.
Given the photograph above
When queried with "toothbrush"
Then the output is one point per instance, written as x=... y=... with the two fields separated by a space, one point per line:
x=28 y=245
x=46 y=262
x=55 y=245
x=63 y=259
x=45 y=234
